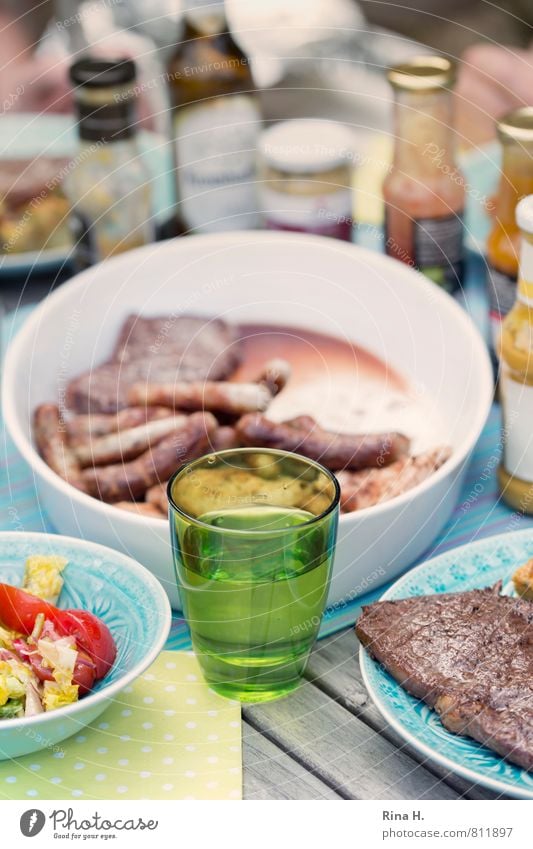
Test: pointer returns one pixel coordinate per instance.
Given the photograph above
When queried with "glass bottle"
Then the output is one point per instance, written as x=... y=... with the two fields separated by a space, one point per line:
x=515 y=132
x=215 y=124
x=424 y=191
x=109 y=184
x=516 y=377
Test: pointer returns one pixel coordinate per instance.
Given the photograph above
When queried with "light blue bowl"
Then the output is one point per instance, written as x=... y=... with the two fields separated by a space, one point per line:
x=130 y=601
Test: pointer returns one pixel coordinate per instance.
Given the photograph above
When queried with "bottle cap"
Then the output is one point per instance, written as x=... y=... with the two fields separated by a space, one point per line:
x=99 y=73
x=516 y=126
x=524 y=214
x=307 y=146
x=423 y=73
x=105 y=99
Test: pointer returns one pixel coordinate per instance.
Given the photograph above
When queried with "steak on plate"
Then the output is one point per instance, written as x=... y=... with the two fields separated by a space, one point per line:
x=468 y=655
x=161 y=350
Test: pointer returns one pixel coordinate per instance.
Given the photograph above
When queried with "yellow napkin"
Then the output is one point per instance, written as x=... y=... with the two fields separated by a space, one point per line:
x=168 y=736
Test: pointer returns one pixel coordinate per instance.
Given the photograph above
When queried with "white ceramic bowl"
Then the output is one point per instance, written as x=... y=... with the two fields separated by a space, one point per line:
x=281 y=279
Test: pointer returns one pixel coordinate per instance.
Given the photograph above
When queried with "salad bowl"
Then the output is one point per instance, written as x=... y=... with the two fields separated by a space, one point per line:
x=122 y=593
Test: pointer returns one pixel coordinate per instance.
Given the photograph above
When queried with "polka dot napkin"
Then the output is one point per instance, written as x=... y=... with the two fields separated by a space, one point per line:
x=168 y=736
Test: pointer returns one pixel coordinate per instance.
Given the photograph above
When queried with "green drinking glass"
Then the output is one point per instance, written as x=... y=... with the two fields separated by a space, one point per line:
x=253 y=537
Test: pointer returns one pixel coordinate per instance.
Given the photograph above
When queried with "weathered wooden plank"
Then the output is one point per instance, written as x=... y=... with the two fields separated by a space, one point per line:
x=269 y=773
x=334 y=668
x=341 y=750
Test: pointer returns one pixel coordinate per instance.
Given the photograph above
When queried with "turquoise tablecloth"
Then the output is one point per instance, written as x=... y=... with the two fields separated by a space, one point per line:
x=478 y=514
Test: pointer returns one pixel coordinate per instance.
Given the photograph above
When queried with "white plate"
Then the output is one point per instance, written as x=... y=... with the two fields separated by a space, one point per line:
x=281 y=279
x=27 y=135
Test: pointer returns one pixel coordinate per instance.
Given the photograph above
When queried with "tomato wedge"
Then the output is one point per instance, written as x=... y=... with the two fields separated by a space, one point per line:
x=92 y=636
x=19 y=609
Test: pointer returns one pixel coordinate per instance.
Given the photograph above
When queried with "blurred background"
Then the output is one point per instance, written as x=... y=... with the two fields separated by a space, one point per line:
x=323 y=59
x=336 y=46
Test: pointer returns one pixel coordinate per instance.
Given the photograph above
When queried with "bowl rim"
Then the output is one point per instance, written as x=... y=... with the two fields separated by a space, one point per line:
x=442 y=300
x=115 y=687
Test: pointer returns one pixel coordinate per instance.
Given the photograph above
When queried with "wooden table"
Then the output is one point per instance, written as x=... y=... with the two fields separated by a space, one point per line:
x=328 y=741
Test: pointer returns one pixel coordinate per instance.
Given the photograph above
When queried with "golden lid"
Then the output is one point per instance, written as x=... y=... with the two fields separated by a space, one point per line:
x=517 y=125
x=423 y=73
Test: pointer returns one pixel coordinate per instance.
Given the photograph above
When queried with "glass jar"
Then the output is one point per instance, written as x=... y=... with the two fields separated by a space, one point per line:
x=109 y=185
x=516 y=376
x=515 y=132
x=424 y=192
x=306 y=178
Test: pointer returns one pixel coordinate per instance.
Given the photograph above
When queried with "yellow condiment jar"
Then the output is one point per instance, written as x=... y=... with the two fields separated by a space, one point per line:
x=516 y=378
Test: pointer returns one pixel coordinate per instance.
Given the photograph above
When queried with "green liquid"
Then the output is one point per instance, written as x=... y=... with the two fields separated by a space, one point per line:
x=254 y=601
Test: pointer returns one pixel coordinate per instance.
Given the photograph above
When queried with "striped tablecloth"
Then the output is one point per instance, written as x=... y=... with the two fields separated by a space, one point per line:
x=478 y=514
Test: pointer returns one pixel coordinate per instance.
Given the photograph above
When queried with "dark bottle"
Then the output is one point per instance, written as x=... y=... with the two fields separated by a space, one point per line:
x=215 y=124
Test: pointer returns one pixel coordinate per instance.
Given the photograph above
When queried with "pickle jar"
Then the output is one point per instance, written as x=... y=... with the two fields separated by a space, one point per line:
x=306 y=169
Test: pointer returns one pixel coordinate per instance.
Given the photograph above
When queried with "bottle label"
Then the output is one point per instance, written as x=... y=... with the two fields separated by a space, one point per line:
x=517 y=401
x=96 y=240
x=328 y=214
x=502 y=295
x=435 y=246
x=216 y=163
x=438 y=249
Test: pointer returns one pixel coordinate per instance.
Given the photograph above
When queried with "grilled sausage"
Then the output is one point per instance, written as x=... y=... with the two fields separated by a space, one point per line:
x=129 y=481
x=334 y=450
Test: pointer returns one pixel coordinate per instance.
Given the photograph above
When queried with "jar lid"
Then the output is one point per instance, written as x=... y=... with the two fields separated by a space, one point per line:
x=100 y=73
x=423 y=73
x=524 y=214
x=307 y=145
x=517 y=125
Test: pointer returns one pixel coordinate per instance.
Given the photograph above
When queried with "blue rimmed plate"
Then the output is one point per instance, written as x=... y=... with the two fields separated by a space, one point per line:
x=477 y=565
x=124 y=594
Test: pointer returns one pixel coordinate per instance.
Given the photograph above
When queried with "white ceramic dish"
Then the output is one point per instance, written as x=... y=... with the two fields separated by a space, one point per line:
x=280 y=279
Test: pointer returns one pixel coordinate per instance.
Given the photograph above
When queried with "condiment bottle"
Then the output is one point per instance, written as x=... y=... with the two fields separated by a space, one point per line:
x=424 y=191
x=306 y=177
x=215 y=124
x=515 y=132
x=516 y=377
x=109 y=184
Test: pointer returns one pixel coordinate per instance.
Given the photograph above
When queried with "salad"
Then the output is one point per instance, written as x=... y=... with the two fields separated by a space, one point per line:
x=49 y=657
